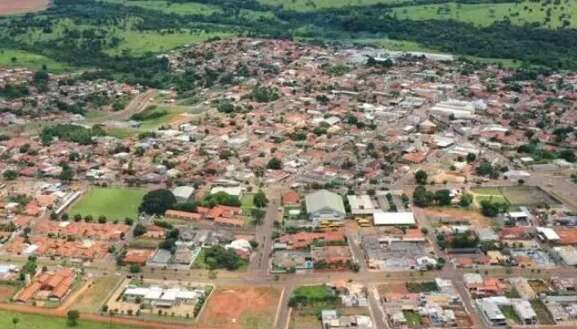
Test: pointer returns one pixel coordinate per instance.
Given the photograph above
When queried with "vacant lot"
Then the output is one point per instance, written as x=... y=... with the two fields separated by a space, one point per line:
x=7 y=291
x=97 y=293
x=12 y=7
x=516 y=196
x=113 y=202
x=240 y=308
x=473 y=217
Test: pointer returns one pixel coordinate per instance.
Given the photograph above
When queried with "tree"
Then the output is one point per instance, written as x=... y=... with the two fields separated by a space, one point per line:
x=10 y=174
x=67 y=173
x=72 y=318
x=443 y=197
x=15 y=321
x=139 y=229
x=260 y=200
x=485 y=169
x=264 y=94
x=257 y=215
x=135 y=268
x=274 y=164
x=219 y=257
x=491 y=208
x=157 y=202
x=423 y=198
x=421 y=177
x=471 y=157
x=466 y=200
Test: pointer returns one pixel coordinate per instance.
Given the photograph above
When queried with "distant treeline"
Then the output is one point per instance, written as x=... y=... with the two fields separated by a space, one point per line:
x=86 y=46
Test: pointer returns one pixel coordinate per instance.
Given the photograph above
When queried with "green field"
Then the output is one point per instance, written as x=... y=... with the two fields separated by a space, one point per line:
x=312 y=5
x=188 y=8
x=247 y=203
x=138 y=43
x=33 y=321
x=19 y=58
x=413 y=319
x=314 y=292
x=515 y=196
x=112 y=202
x=486 y=14
x=510 y=314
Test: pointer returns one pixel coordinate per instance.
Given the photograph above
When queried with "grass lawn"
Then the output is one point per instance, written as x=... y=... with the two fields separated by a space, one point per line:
x=33 y=321
x=112 y=202
x=416 y=287
x=486 y=14
x=20 y=58
x=247 y=203
x=143 y=244
x=489 y=194
x=313 y=292
x=413 y=319
x=510 y=314
x=200 y=261
x=95 y=296
x=543 y=315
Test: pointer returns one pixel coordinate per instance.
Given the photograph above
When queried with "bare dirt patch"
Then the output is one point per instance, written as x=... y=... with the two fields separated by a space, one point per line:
x=240 y=308
x=448 y=214
x=6 y=292
x=393 y=288
x=12 y=7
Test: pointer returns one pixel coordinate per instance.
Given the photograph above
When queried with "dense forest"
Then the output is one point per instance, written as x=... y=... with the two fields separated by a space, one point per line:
x=92 y=26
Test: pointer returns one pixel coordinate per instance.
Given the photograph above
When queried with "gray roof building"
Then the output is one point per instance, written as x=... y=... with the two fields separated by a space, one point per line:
x=325 y=205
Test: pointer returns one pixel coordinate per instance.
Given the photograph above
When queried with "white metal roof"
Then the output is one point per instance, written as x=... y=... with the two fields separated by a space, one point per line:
x=393 y=218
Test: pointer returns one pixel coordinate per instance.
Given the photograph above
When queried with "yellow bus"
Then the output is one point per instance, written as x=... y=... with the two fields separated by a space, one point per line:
x=364 y=222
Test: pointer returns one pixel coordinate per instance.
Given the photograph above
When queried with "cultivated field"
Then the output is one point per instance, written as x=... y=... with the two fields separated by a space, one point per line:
x=13 y=7
x=240 y=308
x=112 y=202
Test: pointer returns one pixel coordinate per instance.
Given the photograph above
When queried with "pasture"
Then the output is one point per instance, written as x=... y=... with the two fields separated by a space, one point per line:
x=312 y=5
x=19 y=58
x=521 y=13
x=188 y=8
x=112 y=202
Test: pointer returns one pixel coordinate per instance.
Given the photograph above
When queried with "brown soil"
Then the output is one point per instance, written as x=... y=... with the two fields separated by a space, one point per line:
x=11 y=7
x=227 y=307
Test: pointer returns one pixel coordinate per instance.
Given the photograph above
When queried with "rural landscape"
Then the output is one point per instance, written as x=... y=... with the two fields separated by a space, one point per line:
x=288 y=164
